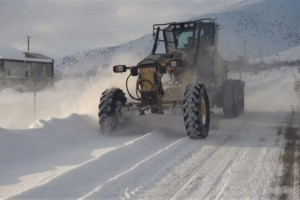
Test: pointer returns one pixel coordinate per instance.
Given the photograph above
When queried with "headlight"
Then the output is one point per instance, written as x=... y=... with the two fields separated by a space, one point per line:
x=120 y=68
x=175 y=63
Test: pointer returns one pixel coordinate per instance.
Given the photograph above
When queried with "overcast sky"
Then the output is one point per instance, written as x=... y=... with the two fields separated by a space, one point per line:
x=62 y=27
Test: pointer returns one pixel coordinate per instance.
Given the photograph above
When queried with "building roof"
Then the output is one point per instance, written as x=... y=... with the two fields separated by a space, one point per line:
x=36 y=55
x=10 y=53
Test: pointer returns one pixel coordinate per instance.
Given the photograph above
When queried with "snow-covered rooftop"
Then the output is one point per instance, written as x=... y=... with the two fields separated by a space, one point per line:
x=10 y=53
x=7 y=52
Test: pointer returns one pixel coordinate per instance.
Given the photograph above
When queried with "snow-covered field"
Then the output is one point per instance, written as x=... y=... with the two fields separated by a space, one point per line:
x=255 y=156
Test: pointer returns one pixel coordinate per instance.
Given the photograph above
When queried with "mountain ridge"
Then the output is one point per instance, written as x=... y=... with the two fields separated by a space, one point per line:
x=252 y=30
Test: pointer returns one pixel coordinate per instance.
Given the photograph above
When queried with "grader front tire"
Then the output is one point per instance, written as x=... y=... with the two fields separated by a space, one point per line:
x=196 y=111
x=110 y=109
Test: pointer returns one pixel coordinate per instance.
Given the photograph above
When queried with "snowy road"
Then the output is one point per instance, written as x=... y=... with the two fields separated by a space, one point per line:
x=255 y=156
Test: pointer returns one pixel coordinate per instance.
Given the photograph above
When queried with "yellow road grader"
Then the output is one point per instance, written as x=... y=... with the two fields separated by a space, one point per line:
x=184 y=74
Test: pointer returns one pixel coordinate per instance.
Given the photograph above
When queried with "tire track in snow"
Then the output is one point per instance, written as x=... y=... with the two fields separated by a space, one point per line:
x=82 y=179
x=290 y=178
x=200 y=175
x=124 y=181
x=174 y=184
x=267 y=159
x=189 y=181
x=135 y=182
x=192 y=182
x=221 y=183
x=271 y=162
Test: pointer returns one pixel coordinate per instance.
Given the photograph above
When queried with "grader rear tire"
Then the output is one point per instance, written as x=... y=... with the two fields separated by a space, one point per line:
x=230 y=99
x=196 y=111
x=241 y=95
x=233 y=98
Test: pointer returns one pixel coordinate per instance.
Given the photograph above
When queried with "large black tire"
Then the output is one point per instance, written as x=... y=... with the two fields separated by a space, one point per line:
x=110 y=109
x=196 y=111
x=230 y=100
x=233 y=98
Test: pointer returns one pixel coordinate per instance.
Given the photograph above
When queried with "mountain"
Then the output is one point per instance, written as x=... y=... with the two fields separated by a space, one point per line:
x=260 y=29
x=252 y=30
x=91 y=61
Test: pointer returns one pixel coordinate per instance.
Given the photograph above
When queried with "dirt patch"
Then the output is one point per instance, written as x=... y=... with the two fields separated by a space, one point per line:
x=291 y=162
x=279 y=130
x=297 y=86
x=291 y=156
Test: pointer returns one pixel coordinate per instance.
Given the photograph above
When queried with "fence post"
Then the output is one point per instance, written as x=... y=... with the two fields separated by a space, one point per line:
x=34 y=94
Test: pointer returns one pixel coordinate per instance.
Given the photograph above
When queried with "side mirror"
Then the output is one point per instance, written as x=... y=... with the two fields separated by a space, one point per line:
x=119 y=68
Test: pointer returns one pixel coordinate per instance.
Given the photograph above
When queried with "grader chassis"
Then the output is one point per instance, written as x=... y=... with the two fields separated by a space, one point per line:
x=198 y=80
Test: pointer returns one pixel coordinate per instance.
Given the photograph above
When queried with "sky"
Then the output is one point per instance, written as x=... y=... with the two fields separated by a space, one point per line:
x=63 y=27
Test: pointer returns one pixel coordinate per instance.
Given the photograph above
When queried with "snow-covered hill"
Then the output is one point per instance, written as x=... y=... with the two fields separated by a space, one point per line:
x=260 y=29
x=255 y=30
x=292 y=54
x=93 y=61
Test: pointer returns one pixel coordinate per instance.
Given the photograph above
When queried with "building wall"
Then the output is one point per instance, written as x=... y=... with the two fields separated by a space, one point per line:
x=25 y=74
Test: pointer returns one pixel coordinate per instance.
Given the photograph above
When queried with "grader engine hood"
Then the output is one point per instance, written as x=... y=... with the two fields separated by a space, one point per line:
x=151 y=70
x=153 y=60
x=150 y=73
x=164 y=61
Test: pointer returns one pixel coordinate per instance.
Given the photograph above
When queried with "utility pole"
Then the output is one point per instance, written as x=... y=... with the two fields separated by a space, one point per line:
x=260 y=54
x=28 y=43
x=245 y=43
x=34 y=78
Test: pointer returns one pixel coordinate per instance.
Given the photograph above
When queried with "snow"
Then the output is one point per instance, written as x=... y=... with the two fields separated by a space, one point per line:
x=151 y=157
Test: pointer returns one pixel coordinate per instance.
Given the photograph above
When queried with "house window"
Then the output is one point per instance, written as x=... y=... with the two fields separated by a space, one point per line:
x=16 y=69
x=38 y=70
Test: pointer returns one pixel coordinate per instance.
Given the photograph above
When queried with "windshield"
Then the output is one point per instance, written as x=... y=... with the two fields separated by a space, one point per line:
x=170 y=41
x=184 y=38
x=176 y=37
